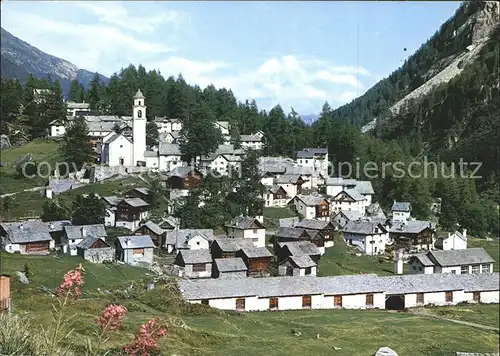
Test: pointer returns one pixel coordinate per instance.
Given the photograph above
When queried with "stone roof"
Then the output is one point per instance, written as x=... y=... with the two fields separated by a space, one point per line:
x=311 y=152
x=302 y=261
x=57 y=225
x=181 y=172
x=299 y=248
x=288 y=222
x=112 y=200
x=62 y=185
x=233 y=244
x=363 y=227
x=21 y=232
x=288 y=179
x=244 y=222
x=304 y=171
x=351 y=215
x=401 y=206
x=139 y=95
x=180 y=237
x=353 y=193
x=195 y=256
x=81 y=231
x=310 y=200
x=314 y=224
x=74 y=105
x=172 y=221
x=230 y=264
x=468 y=256
x=169 y=149
x=151 y=226
x=289 y=232
x=88 y=241
x=364 y=187
x=424 y=260
x=336 y=285
x=250 y=138
x=339 y=181
x=256 y=252
x=136 y=241
x=135 y=202
x=411 y=226
x=375 y=210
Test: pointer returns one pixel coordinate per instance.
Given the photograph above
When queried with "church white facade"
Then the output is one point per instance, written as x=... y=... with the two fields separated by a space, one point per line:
x=118 y=150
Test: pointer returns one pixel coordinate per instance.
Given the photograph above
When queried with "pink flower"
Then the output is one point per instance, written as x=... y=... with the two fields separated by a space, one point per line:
x=146 y=340
x=111 y=318
x=72 y=281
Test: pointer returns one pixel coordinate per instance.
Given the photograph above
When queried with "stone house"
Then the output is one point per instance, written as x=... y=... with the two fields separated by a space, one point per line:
x=297 y=266
x=95 y=250
x=194 y=263
x=135 y=249
x=229 y=268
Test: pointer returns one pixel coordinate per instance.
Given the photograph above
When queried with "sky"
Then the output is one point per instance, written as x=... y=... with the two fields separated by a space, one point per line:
x=296 y=54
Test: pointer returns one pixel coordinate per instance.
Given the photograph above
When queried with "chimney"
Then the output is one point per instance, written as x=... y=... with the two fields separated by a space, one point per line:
x=21 y=226
x=127 y=240
x=51 y=225
x=398 y=266
x=464 y=233
x=84 y=231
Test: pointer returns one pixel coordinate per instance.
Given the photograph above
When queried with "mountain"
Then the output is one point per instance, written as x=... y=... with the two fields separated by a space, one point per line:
x=19 y=59
x=309 y=119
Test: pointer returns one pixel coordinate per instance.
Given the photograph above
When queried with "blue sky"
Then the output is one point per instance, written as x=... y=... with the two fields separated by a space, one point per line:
x=297 y=54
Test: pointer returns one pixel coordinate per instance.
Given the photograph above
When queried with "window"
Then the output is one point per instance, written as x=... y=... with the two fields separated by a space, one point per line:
x=448 y=297
x=139 y=113
x=204 y=302
x=420 y=269
x=199 y=267
x=308 y=271
x=414 y=268
x=337 y=301
x=306 y=161
x=254 y=231
x=453 y=271
x=475 y=269
x=485 y=268
x=476 y=296
x=240 y=304
x=198 y=243
x=306 y=301
x=464 y=270
x=369 y=300
x=138 y=251
x=121 y=146
x=273 y=303
x=73 y=241
x=420 y=298
x=289 y=271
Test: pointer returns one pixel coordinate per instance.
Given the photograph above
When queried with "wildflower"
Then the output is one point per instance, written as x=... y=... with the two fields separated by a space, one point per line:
x=146 y=340
x=111 y=318
x=71 y=283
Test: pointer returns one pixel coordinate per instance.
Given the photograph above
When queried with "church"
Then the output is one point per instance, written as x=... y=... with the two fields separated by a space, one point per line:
x=120 y=150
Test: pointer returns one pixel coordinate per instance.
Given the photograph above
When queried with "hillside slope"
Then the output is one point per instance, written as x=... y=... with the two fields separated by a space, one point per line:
x=19 y=59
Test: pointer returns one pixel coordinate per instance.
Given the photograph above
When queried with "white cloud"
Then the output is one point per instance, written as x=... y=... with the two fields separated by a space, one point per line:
x=115 y=14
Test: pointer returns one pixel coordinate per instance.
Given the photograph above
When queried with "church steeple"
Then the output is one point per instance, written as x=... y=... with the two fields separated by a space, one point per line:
x=139 y=127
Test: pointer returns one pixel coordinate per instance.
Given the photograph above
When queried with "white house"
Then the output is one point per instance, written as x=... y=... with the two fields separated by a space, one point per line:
x=369 y=237
x=26 y=237
x=467 y=261
x=315 y=158
x=312 y=207
x=111 y=206
x=344 y=216
x=188 y=239
x=348 y=200
x=362 y=291
x=57 y=128
x=117 y=150
x=222 y=164
x=253 y=142
x=165 y=125
x=335 y=186
x=301 y=265
x=224 y=128
x=455 y=241
x=247 y=228
x=194 y=263
x=73 y=108
x=291 y=183
x=75 y=234
x=276 y=196
x=401 y=211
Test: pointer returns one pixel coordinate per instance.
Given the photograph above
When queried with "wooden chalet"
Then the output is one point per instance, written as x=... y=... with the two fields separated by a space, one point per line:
x=184 y=178
x=413 y=234
x=224 y=247
x=132 y=209
x=257 y=260
x=156 y=233
x=290 y=234
x=142 y=193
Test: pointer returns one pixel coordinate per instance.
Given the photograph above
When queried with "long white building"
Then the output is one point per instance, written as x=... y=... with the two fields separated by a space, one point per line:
x=350 y=292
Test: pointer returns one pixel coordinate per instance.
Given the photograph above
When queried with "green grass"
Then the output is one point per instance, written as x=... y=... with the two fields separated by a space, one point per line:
x=41 y=151
x=483 y=314
x=271 y=216
x=492 y=247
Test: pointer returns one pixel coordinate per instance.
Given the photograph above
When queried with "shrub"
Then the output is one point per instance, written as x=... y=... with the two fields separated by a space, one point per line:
x=18 y=337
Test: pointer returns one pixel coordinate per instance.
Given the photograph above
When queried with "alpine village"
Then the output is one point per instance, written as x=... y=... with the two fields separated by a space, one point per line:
x=226 y=229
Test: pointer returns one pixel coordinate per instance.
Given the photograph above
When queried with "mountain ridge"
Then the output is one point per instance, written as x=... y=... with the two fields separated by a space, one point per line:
x=19 y=59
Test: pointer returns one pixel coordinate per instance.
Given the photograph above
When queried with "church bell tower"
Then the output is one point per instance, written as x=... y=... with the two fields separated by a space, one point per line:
x=139 y=128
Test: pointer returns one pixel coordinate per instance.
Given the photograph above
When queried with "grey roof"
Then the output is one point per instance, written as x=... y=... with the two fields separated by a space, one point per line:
x=288 y=222
x=180 y=237
x=313 y=224
x=74 y=105
x=180 y=172
x=223 y=124
x=139 y=94
x=411 y=226
x=363 y=227
x=275 y=188
x=112 y=200
x=375 y=210
x=169 y=149
x=230 y=264
x=250 y=138
x=468 y=256
x=423 y=259
x=135 y=202
x=150 y=154
x=353 y=193
x=195 y=256
x=302 y=261
x=224 y=149
x=364 y=187
x=289 y=232
x=305 y=171
x=401 y=206
x=351 y=215
x=339 y=181
x=338 y=285
x=244 y=222
x=144 y=191
x=62 y=185
x=104 y=126
x=152 y=226
x=81 y=231
x=136 y=241
x=171 y=221
x=311 y=152
x=21 y=232
x=228 y=244
x=88 y=241
x=256 y=252
x=115 y=137
x=299 y=248
x=310 y=200
x=57 y=225
x=288 y=179
x=232 y=158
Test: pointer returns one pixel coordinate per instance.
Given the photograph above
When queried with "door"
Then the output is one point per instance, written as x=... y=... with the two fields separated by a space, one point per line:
x=369 y=300
x=337 y=301
x=122 y=162
x=476 y=296
x=240 y=304
x=306 y=301
x=273 y=303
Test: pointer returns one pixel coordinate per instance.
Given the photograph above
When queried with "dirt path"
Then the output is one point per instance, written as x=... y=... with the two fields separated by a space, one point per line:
x=468 y=323
x=24 y=190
